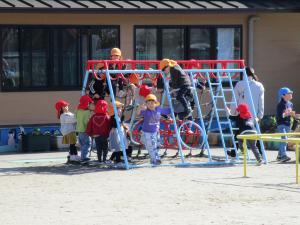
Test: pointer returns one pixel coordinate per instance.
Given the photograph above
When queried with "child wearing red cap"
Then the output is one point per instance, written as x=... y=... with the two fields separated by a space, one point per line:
x=83 y=115
x=99 y=128
x=68 y=125
x=245 y=123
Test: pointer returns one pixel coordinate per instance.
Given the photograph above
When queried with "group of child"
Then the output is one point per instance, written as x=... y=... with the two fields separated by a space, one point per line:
x=102 y=126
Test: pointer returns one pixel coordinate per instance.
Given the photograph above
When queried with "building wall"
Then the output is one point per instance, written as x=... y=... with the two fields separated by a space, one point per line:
x=276 y=54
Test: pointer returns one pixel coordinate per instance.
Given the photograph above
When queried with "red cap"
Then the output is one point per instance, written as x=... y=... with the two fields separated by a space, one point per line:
x=144 y=90
x=84 y=102
x=59 y=105
x=244 y=111
x=101 y=107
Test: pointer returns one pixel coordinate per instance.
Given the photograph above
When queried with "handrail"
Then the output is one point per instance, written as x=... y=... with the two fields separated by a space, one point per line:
x=271 y=137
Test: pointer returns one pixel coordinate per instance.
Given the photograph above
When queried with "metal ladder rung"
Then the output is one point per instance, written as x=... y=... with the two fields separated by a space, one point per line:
x=235 y=128
x=229 y=103
x=227 y=135
x=218 y=96
x=225 y=122
x=215 y=84
x=220 y=110
x=227 y=89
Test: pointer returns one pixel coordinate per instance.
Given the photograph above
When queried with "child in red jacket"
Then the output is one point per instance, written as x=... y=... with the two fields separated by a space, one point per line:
x=99 y=127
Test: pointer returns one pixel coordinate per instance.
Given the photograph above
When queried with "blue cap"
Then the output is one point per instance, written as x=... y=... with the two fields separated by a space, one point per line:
x=284 y=91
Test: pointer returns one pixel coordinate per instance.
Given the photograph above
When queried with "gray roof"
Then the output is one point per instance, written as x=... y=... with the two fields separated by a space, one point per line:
x=150 y=5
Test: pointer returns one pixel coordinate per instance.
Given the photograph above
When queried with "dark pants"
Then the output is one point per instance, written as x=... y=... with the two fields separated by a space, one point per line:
x=183 y=92
x=102 y=148
x=73 y=149
x=118 y=155
x=252 y=145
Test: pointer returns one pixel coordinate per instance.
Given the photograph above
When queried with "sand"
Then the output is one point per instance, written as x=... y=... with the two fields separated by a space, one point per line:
x=48 y=191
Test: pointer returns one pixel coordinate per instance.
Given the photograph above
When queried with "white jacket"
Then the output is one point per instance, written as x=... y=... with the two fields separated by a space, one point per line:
x=67 y=123
x=242 y=96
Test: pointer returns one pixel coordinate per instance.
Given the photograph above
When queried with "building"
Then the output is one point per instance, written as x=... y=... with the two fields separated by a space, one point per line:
x=45 y=44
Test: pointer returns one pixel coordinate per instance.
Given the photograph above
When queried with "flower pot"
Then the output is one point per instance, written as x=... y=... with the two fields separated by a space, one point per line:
x=31 y=143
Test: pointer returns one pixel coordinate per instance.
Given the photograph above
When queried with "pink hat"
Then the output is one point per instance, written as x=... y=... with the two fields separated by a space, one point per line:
x=59 y=105
x=84 y=102
x=144 y=90
x=101 y=107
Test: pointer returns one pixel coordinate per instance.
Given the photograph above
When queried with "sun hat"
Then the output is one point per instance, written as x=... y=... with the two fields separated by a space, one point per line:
x=84 y=102
x=152 y=97
x=243 y=111
x=59 y=105
x=101 y=107
x=167 y=62
x=116 y=51
x=110 y=109
x=145 y=90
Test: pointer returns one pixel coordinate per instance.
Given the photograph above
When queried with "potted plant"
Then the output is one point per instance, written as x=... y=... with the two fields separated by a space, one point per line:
x=36 y=141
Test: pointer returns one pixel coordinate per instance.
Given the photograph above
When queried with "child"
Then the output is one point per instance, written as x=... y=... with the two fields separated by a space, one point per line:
x=152 y=113
x=245 y=123
x=99 y=127
x=68 y=125
x=97 y=87
x=114 y=139
x=283 y=117
x=179 y=80
x=83 y=115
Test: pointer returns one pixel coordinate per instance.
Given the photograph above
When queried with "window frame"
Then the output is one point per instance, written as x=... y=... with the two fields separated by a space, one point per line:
x=50 y=57
x=213 y=40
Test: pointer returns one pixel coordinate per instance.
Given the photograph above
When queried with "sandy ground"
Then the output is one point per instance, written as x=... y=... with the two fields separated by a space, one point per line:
x=39 y=188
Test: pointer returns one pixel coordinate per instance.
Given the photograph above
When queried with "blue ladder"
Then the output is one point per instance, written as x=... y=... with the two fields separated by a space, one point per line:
x=219 y=107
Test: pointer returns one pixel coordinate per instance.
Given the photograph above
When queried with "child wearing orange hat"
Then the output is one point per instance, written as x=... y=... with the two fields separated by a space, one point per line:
x=83 y=115
x=97 y=88
x=245 y=123
x=151 y=123
x=67 y=128
x=99 y=128
x=179 y=80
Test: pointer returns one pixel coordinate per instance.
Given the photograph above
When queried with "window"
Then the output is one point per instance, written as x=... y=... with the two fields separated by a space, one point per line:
x=188 y=42
x=10 y=63
x=51 y=57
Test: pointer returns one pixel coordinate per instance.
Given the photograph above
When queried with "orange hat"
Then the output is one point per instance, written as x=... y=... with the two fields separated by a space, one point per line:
x=59 y=105
x=152 y=97
x=167 y=62
x=84 y=102
x=100 y=66
x=116 y=51
x=110 y=108
x=101 y=107
x=144 y=90
x=134 y=78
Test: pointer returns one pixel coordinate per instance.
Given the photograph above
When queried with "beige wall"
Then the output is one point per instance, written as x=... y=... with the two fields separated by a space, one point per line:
x=276 y=54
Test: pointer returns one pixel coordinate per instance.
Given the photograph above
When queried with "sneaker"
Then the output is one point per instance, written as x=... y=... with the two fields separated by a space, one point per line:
x=259 y=162
x=108 y=162
x=158 y=162
x=285 y=159
x=278 y=158
x=85 y=159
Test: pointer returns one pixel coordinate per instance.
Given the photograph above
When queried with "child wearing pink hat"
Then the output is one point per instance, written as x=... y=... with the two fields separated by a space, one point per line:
x=83 y=115
x=99 y=127
x=67 y=128
x=245 y=123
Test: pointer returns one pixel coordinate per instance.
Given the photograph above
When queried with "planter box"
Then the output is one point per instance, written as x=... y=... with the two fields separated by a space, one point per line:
x=32 y=143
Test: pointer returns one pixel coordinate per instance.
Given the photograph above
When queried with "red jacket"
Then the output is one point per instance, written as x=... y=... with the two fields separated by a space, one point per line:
x=99 y=125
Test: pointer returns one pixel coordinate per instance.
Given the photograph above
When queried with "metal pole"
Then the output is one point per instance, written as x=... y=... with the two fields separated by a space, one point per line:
x=297 y=163
x=245 y=157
